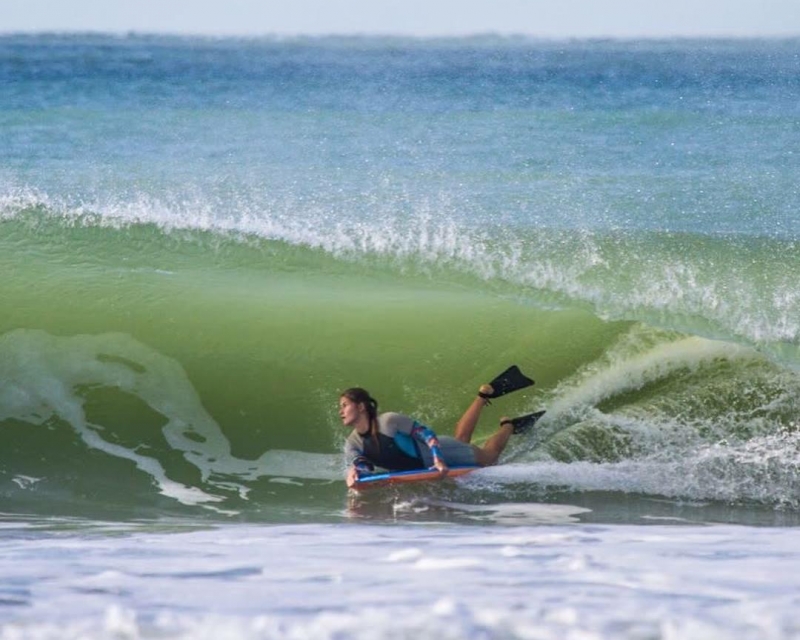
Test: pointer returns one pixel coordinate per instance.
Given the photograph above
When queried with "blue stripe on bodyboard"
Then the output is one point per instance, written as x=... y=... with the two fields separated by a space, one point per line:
x=415 y=475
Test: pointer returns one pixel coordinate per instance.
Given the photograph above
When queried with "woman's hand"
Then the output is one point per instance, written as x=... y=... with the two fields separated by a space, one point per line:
x=441 y=466
x=351 y=478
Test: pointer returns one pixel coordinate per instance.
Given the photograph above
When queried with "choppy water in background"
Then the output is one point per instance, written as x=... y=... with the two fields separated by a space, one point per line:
x=203 y=240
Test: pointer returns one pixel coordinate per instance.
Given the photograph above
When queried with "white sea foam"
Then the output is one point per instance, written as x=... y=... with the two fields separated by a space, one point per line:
x=25 y=482
x=315 y=581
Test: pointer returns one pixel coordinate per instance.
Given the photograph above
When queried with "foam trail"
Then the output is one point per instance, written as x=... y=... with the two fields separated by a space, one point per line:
x=763 y=470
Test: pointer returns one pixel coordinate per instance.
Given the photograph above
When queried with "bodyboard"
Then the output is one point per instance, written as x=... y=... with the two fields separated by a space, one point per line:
x=387 y=478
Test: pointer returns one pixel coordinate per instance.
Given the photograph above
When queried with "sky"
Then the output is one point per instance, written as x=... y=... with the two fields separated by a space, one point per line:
x=539 y=18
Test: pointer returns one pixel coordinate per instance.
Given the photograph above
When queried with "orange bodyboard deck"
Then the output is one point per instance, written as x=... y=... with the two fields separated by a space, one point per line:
x=388 y=478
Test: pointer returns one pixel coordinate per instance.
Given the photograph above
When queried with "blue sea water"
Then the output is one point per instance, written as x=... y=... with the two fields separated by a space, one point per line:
x=202 y=240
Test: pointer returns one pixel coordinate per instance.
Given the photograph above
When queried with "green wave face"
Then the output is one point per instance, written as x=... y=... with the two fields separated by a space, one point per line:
x=151 y=371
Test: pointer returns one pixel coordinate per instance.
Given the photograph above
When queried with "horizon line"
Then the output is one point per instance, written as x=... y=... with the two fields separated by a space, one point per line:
x=364 y=35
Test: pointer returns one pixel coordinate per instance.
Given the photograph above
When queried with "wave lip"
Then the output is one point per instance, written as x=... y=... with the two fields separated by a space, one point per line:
x=737 y=289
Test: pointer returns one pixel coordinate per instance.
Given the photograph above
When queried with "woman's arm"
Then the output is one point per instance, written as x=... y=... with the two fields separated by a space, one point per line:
x=357 y=462
x=426 y=435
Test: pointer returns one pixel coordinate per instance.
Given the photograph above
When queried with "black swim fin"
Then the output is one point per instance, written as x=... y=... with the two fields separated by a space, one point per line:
x=524 y=423
x=512 y=379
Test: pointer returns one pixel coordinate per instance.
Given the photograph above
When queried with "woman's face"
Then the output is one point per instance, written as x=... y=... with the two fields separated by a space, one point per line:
x=349 y=411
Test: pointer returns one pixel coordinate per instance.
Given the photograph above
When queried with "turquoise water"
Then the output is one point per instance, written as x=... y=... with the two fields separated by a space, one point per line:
x=203 y=240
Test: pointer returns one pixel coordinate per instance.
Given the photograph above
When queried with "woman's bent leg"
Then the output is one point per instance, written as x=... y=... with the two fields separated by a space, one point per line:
x=465 y=427
x=490 y=452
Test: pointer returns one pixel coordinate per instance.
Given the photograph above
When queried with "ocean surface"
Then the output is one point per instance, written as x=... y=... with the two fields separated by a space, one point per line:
x=202 y=241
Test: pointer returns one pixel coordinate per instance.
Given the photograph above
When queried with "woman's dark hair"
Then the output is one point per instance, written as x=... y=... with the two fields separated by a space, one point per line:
x=361 y=396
